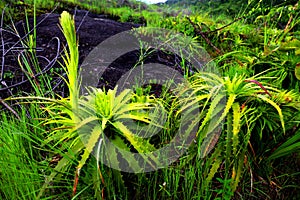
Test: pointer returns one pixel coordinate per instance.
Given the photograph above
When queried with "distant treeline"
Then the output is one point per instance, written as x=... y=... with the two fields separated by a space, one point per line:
x=265 y=2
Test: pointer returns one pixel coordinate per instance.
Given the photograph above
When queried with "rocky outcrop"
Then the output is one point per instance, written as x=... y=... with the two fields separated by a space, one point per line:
x=92 y=29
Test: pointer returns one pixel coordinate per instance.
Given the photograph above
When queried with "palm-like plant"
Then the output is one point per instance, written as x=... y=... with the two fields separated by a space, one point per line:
x=83 y=122
x=237 y=101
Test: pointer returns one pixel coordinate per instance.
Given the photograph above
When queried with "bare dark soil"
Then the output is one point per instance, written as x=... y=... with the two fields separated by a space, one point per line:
x=92 y=29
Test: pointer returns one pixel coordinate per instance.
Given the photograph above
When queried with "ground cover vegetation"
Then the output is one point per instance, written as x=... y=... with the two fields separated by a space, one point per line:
x=251 y=151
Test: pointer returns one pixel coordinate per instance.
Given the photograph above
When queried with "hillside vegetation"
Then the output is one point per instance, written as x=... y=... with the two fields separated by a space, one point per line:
x=233 y=120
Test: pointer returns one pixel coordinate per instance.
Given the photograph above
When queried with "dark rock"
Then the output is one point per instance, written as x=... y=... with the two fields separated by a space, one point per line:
x=92 y=29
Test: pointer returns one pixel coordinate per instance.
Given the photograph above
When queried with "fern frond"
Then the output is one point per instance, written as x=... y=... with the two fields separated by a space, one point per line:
x=89 y=146
x=236 y=127
x=228 y=142
x=209 y=114
x=214 y=166
x=276 y=107
x=140 y=144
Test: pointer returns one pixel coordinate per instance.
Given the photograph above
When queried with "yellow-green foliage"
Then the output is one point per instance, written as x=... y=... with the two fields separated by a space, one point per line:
x=71 y=56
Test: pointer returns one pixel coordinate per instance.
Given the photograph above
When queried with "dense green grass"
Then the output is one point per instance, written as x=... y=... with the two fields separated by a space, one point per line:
x=257 y=153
